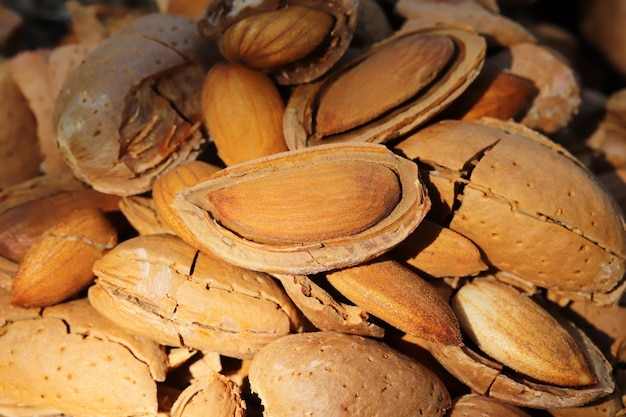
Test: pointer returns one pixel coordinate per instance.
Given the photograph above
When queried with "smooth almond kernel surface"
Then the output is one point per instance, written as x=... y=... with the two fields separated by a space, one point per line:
x=382 y=81
x=307 y=204
x=272 y=39
x=520 y=334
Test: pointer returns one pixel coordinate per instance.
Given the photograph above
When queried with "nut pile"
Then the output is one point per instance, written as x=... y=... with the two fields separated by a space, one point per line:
x=340 y=208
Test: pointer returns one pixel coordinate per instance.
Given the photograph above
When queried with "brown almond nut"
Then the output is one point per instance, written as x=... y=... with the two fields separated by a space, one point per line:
x=149 y=119
x=324 y=311
x=491 y=180
x=70 y=359
x=243 y=113
x=162 y=288
x=276 y=38
x=328 y=373
x=213 y=395
x=439 y=252
x=59 y=264
x=359 y=101
x=142 y=214
x=487 y=377
x=397 y=295
x=296 y=41
x=517 y=332
x=31 y=207
x=171 y=183
x=267 y=214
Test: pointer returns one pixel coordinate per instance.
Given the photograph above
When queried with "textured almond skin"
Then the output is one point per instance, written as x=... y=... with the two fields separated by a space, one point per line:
x=400 y=297
x=517 y=332
x=266 y=214
x=59 y=264
x=243 y=113
x=213 y=395
x=472 y=405
x=273 y=39
x=327 y=373
x=513 y=188
x=62 y=359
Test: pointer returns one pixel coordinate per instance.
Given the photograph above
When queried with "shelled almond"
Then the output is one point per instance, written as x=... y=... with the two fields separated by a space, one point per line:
x=267 y=209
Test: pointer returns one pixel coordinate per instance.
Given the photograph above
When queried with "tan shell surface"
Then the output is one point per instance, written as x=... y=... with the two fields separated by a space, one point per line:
x=214 y=395
x=160 y=287
x=327 y=373
x=474 y=405
x=262 y=248
x=64 y=365
x=117 y=153
x=516 y=190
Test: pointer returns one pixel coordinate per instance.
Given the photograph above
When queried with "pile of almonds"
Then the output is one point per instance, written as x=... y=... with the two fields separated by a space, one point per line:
x=350 y=207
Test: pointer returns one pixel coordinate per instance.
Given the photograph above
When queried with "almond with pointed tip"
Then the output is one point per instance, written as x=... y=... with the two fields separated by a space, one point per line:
x=397 y=295
x=520 y=334
x=58 y=265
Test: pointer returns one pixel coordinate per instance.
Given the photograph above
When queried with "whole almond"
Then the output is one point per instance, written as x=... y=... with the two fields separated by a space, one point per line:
x=243 y=112
x=520 y=334
x=274 y=38
x=59 y=264
x=398 y=296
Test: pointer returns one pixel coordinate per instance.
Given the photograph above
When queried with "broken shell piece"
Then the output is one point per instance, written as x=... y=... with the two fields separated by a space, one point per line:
x=471 y=405
x=490 y=180
x=359 y=101
x=214 y=395
x=328 y=373
x=162 y=288
x=63 y=358
x=118 y=137
x=324 y=311
x=266 y=215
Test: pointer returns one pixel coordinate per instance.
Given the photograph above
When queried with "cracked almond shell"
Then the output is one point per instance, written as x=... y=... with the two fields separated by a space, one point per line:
x=119 y=136
x=360 y=101
x=306 y=211
x=162 y=288
x=518 y=195
x=71 y=359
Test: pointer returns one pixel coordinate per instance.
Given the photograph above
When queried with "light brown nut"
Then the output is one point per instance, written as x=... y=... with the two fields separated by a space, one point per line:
x=148 y=120
x=160 y=287
x=59 y=264
x=327 y=373
x=296 y=41
x=169 y=184
x=31 y=207
x=471 y=405
x=243 y=113
x=266 y=214
x=63 y=358
x=520 y=334
x=506 y=188
x=439 y=252
x=358 y=101
x=485 y=376
x=397 y=295
x=215 y=395
x=324 y=311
